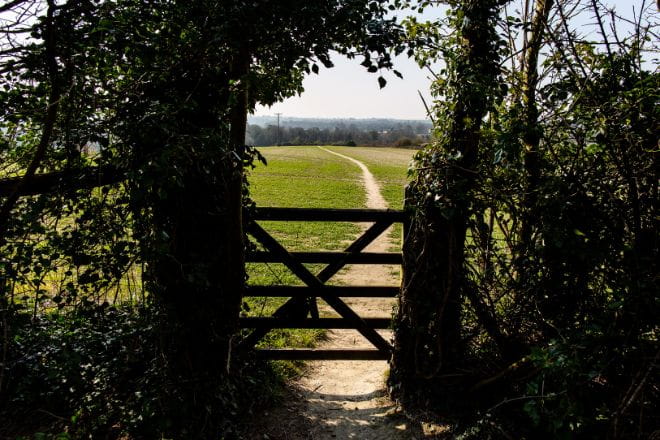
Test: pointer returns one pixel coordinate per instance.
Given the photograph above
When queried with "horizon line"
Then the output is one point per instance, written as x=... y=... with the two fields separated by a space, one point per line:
x=339 y=117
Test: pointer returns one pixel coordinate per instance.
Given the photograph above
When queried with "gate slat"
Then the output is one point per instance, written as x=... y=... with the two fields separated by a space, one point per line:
x=357 y=246
x=329 y=257
x=332 y=323
x=340 y=291
x=328 y=215
x=312 y=281
x=313 y=354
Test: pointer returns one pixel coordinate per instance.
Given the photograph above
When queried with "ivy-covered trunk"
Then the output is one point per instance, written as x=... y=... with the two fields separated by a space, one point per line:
x=195 y=272
x=197 y=275
x=531 y=128
x=429 y=314
x=187 y=191
x=428 y=326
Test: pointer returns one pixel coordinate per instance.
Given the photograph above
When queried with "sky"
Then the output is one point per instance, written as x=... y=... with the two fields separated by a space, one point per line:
x=349 y=91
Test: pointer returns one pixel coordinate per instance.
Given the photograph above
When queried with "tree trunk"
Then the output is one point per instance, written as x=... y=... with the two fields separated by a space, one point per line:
x=197 y=268
x=428 y=328
x=202 y=273
x=428 y=325
x=531 y=136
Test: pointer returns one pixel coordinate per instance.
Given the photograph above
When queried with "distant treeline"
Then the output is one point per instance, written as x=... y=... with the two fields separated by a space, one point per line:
x=399 y=135
x=378 y=124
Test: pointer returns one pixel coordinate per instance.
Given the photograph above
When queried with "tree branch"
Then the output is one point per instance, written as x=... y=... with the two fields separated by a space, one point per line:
x=86 y=178
x=49 y=123
x=8 y=6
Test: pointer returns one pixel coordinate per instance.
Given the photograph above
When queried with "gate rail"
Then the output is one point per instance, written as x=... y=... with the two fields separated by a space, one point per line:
x=300 y=311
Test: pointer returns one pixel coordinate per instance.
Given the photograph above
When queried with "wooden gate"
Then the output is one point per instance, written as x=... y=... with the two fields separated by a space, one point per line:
x=301 y=311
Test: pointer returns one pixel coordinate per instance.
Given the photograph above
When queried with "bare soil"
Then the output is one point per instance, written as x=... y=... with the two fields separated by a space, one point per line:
x=346 y=399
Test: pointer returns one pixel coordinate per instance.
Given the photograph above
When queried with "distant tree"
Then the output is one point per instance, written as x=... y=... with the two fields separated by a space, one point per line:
x=321 y=136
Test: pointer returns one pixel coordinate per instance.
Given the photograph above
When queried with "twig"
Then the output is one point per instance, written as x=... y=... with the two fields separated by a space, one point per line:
x=7 y=6
x=633 y=392
x=435 y=75
x=514 y=366
x=515 y=399
x=55 y=416
x=428 y=112
x=601 y=26
x=49 y=123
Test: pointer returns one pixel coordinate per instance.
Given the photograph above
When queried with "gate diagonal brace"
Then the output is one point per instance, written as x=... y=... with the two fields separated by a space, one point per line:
x=298 y=306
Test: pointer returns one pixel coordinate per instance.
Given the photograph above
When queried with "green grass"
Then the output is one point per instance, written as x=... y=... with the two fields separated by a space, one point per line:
x=388 y=165
x=306 y=177
x=390 y=169
x=300 y=177
x=313 y=178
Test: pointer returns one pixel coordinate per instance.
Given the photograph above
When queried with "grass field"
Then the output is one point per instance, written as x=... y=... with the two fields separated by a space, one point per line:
x=390 y=168
x=300 y=177
x=388 y=165
x=311 y=177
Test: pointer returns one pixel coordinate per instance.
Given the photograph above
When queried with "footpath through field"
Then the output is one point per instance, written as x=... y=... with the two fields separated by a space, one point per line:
x=347 y=399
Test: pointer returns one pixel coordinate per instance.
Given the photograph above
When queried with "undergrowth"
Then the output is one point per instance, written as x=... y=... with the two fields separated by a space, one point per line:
x=97 y=373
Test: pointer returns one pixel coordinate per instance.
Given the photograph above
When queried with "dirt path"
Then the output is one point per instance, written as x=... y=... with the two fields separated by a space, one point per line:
x=374 y=198
x=347 y=399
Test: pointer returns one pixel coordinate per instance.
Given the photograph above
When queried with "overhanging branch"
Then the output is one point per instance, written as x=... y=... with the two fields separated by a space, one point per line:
x=85 y=178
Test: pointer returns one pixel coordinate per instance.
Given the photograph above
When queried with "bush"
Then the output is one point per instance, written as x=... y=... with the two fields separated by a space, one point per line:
x=97 y=373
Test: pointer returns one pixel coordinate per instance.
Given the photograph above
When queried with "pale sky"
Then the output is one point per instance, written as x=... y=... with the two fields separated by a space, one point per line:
x=348 y=90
